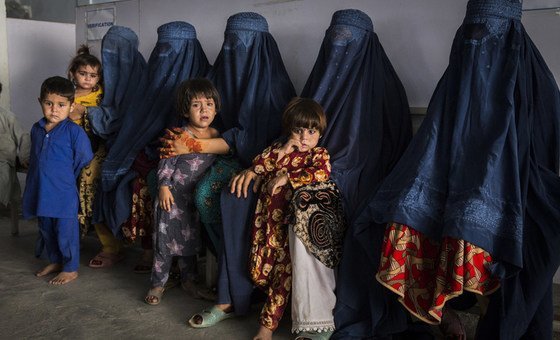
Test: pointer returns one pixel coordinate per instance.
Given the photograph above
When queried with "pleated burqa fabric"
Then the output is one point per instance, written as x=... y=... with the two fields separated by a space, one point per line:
x=254 y=86
x=368 y=129
x=177 y=56
x=367 y=111
x=483 y=166
x=123 y=76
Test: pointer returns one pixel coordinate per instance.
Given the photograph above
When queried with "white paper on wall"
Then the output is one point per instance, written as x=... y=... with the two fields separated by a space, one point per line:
x=98 y=22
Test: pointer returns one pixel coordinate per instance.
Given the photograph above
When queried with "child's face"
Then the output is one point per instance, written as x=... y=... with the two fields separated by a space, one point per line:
x=201 y=112
x=86 y=77
x=55 y=108
x=308 y=137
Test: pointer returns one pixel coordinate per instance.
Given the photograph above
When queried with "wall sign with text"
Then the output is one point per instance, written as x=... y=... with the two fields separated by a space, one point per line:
x=98 y=22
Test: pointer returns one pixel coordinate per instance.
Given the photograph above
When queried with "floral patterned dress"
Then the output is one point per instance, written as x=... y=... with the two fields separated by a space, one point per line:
x=176 y=233
x=139 y=223
x=89 y=177
x=270 y=264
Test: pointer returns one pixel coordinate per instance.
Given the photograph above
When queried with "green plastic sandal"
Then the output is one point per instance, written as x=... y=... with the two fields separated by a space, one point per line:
x=210 y=317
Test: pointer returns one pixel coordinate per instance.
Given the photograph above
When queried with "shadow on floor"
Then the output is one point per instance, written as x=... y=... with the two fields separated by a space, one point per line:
x=108 y=303
x=101 y=304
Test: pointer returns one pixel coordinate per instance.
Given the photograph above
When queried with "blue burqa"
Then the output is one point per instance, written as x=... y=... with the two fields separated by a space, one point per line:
x=483 y=166
x=254 y=86
x=177 y=56
x=123 y=75
x=367 y=111
x=368 y=129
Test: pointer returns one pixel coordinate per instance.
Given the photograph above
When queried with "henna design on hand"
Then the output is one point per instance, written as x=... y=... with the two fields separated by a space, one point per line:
x=191 y=143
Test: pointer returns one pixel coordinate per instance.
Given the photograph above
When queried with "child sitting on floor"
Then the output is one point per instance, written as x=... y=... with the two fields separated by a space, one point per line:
x=59 y=151
x=178 y=228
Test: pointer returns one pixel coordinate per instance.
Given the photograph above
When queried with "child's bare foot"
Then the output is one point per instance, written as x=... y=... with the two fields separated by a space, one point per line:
x=63 y=278
x=50 y=268
x=263 y=334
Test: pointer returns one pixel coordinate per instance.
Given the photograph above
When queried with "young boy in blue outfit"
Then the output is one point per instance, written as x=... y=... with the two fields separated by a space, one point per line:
x=59 y=151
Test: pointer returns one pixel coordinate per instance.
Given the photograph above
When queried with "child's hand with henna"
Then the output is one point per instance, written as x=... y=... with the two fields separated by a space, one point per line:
x=165 y=198
x=178 y=141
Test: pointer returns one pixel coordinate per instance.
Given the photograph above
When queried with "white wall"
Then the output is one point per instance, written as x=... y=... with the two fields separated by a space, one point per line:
x=36 y=50
x=544 y=29
x=416 y=35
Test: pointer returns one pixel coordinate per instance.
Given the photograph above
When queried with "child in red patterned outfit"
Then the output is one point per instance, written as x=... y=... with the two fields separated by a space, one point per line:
x=283 y=168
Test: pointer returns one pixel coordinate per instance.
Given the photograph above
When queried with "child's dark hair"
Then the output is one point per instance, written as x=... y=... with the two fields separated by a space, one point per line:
x=303 y=112
x=85 y=58
x=57 y=85
x=192 y=88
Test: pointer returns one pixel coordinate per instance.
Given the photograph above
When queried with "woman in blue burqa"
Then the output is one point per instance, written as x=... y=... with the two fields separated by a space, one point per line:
x=124 y=200
x=474 y=203
x=123 y=73
x=124 y=76
x=368 y=129
x=254 y=87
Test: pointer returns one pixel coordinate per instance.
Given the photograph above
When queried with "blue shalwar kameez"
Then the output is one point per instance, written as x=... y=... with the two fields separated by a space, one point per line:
x=56 y=159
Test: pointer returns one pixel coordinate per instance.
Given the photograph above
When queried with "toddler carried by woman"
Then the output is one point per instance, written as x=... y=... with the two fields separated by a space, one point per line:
x=85 y=73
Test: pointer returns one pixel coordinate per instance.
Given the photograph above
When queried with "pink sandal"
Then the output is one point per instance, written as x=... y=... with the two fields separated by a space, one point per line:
x=105 y=260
